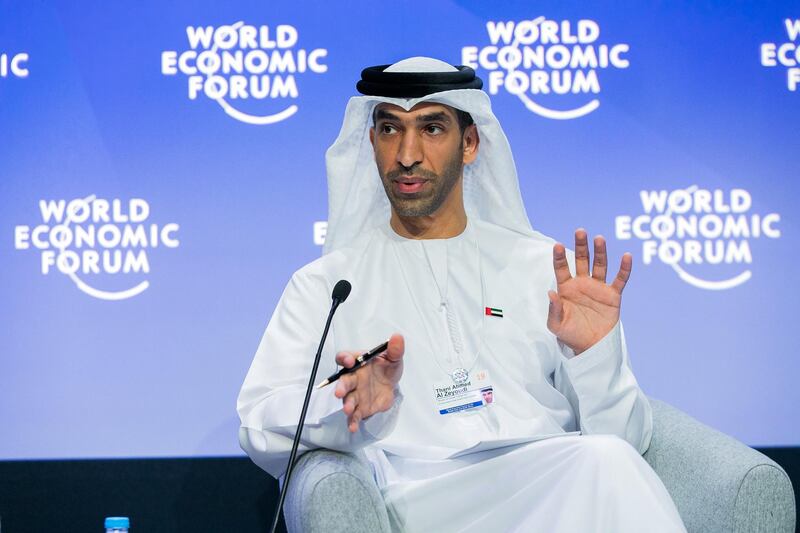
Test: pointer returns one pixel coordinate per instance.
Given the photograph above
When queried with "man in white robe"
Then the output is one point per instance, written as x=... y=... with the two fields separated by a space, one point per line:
x=427 y=222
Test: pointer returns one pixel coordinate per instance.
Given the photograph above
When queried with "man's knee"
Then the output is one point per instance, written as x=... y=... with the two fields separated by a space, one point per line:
x=607 y=449
x=334 y=488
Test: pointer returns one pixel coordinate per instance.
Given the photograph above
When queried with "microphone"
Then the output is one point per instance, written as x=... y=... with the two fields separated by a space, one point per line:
x=340 y=293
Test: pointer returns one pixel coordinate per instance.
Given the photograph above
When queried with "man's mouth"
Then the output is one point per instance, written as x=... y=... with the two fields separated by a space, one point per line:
x=409 y=185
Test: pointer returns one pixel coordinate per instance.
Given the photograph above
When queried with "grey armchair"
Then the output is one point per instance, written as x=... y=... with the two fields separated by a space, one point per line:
x=717 y=483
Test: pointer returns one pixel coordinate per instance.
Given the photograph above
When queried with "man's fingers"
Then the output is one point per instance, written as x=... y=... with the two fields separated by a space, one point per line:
x=345 y=384
x=625 y=266
x=346 y=359
x=600 y=262
x=397 y=347
x=560 y=265
x=349 y=404
x=555 y=314
x=581 y=252
x=353 y=421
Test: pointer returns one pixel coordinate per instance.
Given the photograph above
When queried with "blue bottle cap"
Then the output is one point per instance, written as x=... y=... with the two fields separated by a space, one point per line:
x=117 y=522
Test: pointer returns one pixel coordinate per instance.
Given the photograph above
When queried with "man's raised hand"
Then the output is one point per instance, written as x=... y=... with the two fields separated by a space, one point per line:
x=371 y=388
x=584 y=308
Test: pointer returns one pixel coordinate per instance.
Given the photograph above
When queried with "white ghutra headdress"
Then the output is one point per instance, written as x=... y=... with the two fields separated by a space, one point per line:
x=356 y=198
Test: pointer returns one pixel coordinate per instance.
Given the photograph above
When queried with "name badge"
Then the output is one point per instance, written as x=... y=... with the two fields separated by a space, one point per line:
x=476 y=392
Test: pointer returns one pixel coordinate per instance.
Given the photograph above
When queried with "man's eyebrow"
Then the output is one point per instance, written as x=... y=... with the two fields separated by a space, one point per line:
x=438 y=116
x=382 y=114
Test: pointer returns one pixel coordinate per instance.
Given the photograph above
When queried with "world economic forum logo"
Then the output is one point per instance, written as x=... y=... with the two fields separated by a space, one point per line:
x=547 y=63
x=785 y=54
x=696 y=229
x=239 y=63
x=96 y=241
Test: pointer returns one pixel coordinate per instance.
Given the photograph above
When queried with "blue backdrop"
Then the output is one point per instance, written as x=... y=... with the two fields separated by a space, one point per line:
x=162 y=175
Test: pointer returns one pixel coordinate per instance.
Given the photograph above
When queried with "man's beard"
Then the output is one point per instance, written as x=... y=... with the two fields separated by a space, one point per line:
x=423 y=203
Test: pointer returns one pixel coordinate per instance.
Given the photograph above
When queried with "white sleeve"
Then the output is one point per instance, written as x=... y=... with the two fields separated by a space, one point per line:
x=603 y=390
x=272 y=395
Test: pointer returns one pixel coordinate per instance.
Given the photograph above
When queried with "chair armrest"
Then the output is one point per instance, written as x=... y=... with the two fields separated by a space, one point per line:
x=718 y=483
x=334 y=492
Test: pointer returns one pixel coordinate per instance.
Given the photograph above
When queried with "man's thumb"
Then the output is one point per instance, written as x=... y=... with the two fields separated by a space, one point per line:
x=396 y=348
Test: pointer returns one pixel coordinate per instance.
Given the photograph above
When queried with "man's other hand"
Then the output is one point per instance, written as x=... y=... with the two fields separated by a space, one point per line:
x=370 y=389
x=585 y=308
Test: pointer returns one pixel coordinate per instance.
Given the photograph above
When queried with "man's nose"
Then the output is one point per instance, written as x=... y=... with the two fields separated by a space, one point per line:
x=410 y=152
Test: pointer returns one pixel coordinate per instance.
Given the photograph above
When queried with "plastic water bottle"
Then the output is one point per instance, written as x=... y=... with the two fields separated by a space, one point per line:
x=117 y=524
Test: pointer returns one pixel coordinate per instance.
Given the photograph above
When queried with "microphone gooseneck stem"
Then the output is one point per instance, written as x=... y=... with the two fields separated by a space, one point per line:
x=290 y=467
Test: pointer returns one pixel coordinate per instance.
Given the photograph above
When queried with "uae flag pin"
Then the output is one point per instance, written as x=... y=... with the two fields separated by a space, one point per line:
x=493 y=311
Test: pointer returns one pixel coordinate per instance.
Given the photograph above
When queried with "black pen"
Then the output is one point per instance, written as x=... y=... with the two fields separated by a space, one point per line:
x=361 y=360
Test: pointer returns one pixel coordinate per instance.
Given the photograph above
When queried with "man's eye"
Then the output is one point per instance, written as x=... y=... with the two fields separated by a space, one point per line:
x=387 y=128
x=434 y=129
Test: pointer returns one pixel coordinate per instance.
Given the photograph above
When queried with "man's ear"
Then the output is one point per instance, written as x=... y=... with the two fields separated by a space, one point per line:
x=471 y=141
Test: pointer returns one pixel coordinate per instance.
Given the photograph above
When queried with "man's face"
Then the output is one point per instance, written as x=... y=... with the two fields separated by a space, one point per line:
x=420 y=155
x=488 y=396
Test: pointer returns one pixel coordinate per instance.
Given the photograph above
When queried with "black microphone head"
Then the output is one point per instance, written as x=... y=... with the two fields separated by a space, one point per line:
x=342 y=290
